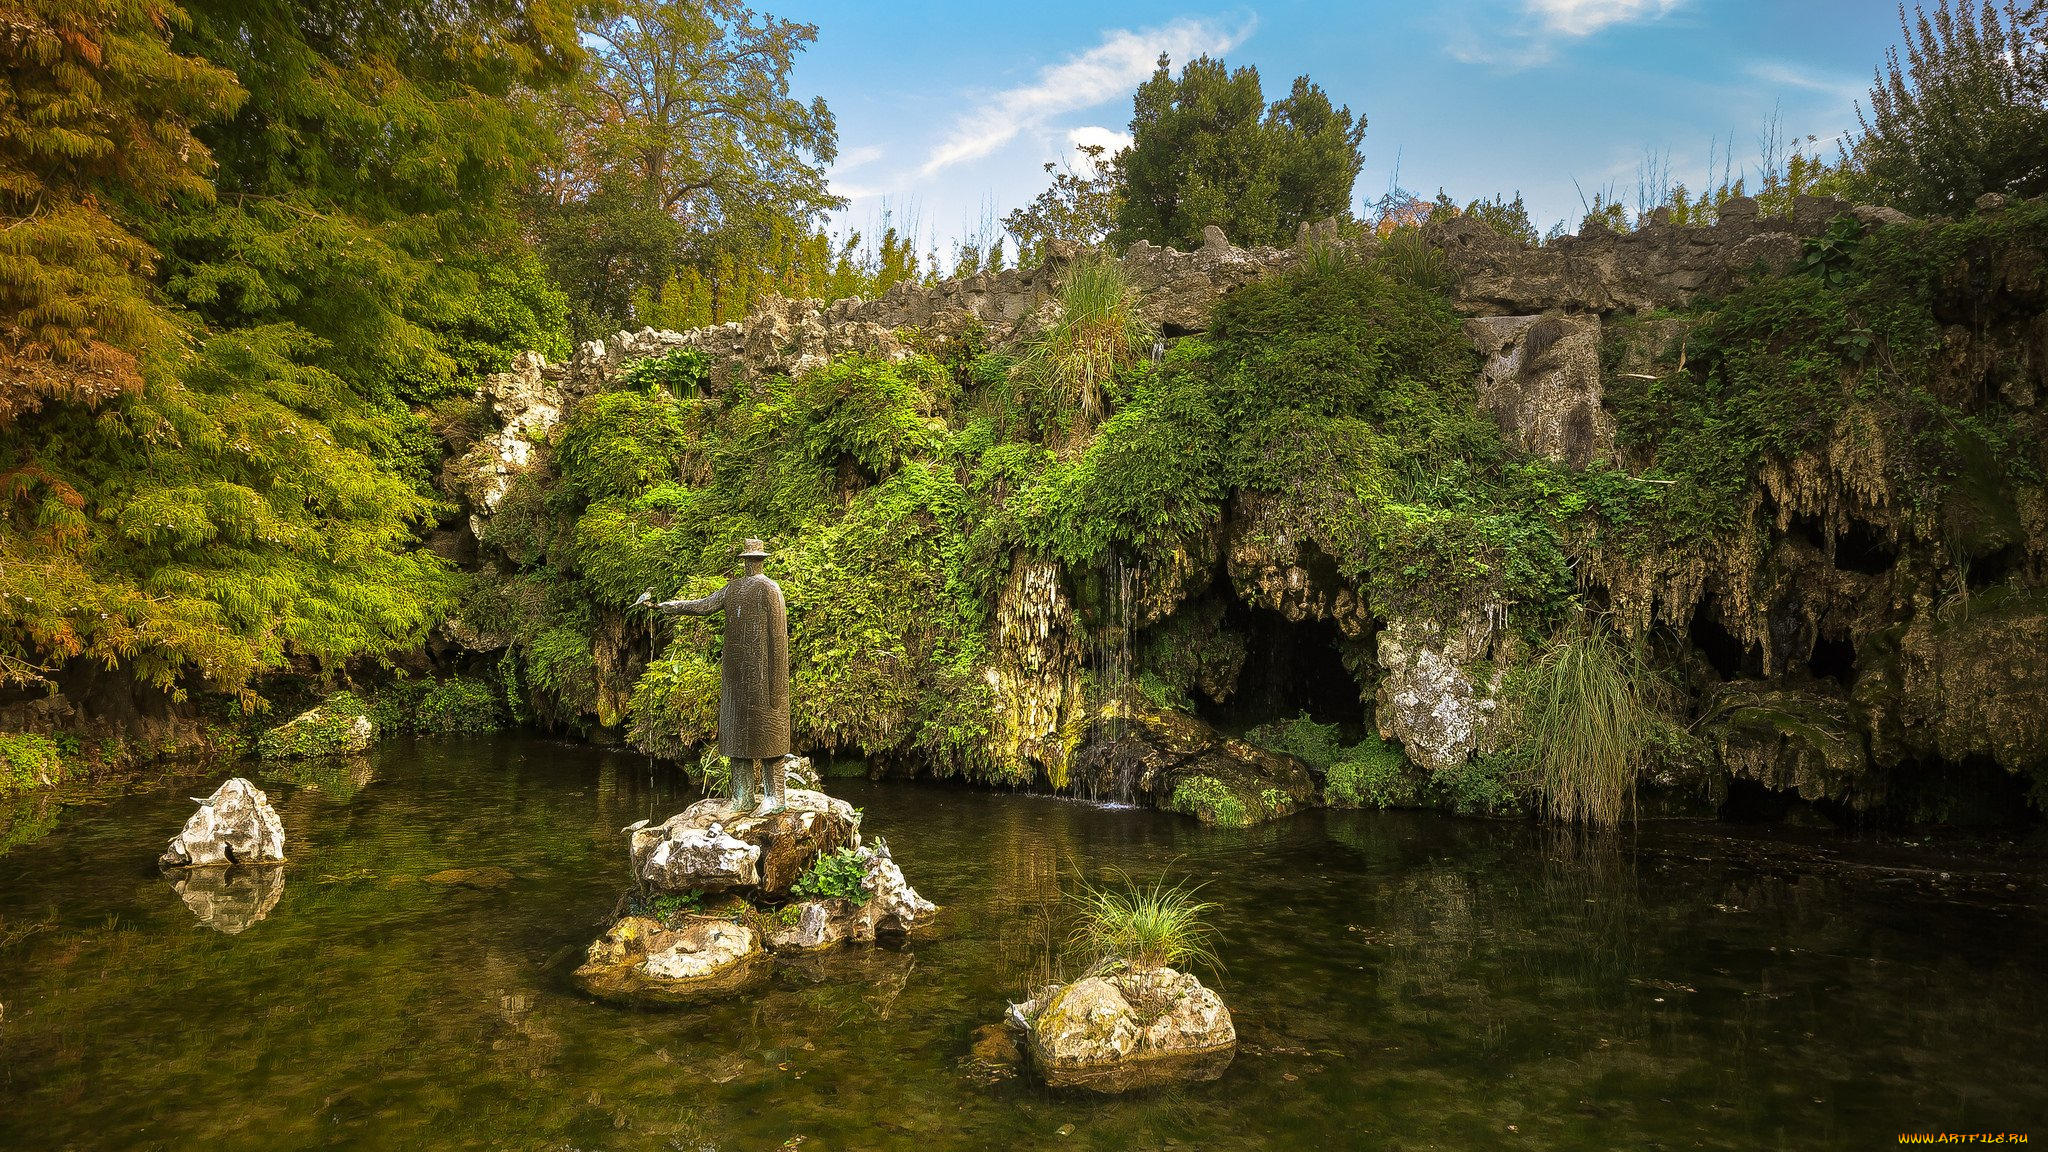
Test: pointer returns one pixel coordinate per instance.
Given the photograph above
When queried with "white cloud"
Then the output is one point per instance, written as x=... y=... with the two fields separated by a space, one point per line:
x=1104 y=72
x=854 y=158
x=1788 y=76
x=1585 y=17
x=1530 y=36
x=1109 y=140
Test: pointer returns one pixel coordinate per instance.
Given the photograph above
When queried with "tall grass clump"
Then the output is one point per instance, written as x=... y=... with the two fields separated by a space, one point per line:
x=1146 y=927
x=1096 y=332
x=1589 y=722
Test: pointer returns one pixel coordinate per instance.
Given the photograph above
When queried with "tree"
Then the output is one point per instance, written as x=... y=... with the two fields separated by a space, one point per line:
x=1966 y=112
x=1078 y=209
x=1207 y=149
x=97 y=117
x=251 y=500
x=681 y=145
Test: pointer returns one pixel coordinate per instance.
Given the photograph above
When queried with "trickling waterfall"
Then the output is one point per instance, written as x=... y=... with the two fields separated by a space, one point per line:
x=1112 y=651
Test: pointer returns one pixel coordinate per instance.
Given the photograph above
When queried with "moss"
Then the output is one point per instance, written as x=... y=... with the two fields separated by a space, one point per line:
x=1373 y=774
x=1210 y=801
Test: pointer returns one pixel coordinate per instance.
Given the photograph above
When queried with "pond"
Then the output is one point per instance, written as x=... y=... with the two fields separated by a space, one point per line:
x=1399 y=980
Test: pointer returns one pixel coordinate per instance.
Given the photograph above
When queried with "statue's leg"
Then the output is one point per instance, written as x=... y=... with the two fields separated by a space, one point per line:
x=742 y=784
x=775 y=781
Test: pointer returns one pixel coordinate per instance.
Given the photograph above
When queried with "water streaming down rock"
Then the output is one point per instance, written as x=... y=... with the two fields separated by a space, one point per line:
x=1121 y=580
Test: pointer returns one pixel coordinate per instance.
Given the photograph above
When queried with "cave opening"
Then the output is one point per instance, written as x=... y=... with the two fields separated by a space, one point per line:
x=1993 y=568
x=1864 y=549
x=1289 y=668
x=1833 y=659
x=1729 y=657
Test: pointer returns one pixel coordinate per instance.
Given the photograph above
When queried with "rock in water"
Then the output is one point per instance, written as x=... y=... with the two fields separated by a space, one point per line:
x=640 y=961
x=236 y=825
x=893 y=907
x=710 y=847
x=1127 y=1028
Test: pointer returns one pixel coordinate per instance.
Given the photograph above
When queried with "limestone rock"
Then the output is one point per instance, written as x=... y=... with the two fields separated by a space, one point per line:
x=1799 y=739
x=1439 y=692
x=236 y=825
x=229 y=900
x=813 y=926
x=642 y=961
x=1127 y=1028
x=710 y=847
x=1271 y=567
x=894 y=905
x=1541 y=381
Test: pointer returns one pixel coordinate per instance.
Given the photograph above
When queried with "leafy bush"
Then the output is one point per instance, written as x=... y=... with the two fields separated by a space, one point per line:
x=681 y=373
x=1372 y=774
x=1314 y=744
x=840 y=874
x=1210 y=800
x=1145 y=927
x=28 y=761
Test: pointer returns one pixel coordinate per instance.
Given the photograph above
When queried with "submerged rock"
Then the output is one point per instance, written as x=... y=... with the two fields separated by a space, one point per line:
x=1127 y=1028
x=710 y=847
x=642 y=961
x=236 y=825
x=228 y=900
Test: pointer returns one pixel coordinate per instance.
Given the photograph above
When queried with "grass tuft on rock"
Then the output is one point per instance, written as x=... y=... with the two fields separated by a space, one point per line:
x=1589 y=722
x=1150 y=926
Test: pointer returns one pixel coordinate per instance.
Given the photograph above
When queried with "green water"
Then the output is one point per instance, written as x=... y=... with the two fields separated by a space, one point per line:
x=1399 y=981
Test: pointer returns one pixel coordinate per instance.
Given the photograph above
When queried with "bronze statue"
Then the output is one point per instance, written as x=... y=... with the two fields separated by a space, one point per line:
x=753 y=678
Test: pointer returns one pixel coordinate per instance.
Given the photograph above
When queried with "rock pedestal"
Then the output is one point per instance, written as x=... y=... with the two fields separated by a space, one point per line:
x=729 y=877
x=235 y=825
x=710 y=847
x=1127 y=1028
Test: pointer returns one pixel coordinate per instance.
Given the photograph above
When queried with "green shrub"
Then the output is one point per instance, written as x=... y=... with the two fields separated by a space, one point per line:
x=840 y=874
x=1096 y=333
x=1484 y=786
x=457 y=705
x=1145 y=927
x=682 y=373
x=1313 y=744
x=1372 y=774
x=29 y=761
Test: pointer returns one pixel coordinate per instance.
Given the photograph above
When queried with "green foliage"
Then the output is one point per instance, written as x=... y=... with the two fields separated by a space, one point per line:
x=326 y=731
x=1407 y=256
x=681 y=373
x=1966 y=113
x=1206 y=149
x=1373 y=774
x=1586 y=716
x=1211 y=801
x=1096 y=333
x=1484 y=786
x=29 y=761
x=433 y=707
x=1145 y=926
x=840 y=874
x=1080 y=209
x=670 y=908
x=1314 y=744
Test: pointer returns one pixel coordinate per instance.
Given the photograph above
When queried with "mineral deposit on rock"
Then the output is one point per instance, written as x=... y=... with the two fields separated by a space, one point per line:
x=1127 y=1028
x=641 y=960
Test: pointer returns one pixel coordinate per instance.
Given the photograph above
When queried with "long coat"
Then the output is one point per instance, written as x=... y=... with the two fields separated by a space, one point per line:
x=753 y=673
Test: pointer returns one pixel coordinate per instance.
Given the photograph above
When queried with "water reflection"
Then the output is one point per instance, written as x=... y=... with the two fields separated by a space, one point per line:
x=1399 y=980
x=228 y=900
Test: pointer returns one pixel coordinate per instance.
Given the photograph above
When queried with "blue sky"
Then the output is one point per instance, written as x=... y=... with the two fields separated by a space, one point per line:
x=947 y=111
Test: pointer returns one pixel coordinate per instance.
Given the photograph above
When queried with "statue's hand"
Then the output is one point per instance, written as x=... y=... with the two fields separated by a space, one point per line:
x=646 y=597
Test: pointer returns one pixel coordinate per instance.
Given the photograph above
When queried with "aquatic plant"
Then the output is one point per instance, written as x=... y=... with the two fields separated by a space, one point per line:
x=1587 y=720
x=1148 y=926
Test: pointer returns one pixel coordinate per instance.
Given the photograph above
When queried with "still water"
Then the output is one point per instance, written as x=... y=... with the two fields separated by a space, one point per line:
x=1401 y=981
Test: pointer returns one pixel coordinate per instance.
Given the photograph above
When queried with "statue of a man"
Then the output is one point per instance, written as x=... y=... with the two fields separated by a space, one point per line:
x=753 y=678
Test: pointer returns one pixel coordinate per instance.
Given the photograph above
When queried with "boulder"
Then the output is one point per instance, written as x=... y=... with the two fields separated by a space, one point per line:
x=228 y=900
x=1127 y=1028
x=1439 y=694
x=1138 y=752
x=642 y=961
x=1541 y=382
x=235 y=825
x=711 y=847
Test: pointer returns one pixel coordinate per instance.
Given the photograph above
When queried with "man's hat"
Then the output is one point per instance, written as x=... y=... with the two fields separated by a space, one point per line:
x=754 y=548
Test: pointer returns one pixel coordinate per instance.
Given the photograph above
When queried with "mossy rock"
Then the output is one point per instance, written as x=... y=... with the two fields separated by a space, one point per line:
x=1177 y=762
x=339 y=727
x=643 y=961
x=1802 y=739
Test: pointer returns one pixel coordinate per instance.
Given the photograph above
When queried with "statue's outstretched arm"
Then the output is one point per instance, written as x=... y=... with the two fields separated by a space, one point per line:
x=704 y=607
